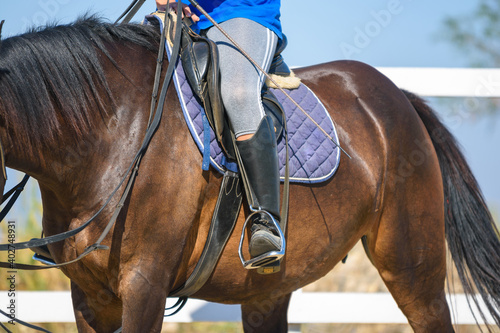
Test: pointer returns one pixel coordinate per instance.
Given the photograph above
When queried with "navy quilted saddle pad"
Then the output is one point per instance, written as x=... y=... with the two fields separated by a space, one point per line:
x=313 y=157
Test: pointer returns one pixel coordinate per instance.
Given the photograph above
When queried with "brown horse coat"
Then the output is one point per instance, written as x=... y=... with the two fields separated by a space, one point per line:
x=87 y=119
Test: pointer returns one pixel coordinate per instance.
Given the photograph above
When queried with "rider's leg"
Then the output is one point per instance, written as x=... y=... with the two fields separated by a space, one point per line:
x=241 y=93
x=260 y=161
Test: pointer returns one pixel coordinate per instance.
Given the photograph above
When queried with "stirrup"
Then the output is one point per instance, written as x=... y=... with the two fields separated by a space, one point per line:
x=265 y=258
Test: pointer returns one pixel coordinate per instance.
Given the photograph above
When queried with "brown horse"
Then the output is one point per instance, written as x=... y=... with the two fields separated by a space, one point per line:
x=74 y=106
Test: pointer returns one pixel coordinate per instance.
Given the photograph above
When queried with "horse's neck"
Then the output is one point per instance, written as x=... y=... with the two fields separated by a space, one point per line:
x=76 y=173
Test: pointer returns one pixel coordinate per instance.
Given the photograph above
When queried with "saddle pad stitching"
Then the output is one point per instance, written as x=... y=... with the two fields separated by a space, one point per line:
x=304 y=122
x=335 y=135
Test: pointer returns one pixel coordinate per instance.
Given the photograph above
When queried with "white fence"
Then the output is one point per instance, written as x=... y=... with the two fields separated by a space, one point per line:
x=365 y=308
x=309 y=307
x=447 y=82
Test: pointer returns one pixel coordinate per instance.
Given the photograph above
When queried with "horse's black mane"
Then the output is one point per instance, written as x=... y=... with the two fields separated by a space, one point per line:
x=59 y=68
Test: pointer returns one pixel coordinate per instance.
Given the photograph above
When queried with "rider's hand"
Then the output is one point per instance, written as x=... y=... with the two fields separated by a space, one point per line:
x=186 y=11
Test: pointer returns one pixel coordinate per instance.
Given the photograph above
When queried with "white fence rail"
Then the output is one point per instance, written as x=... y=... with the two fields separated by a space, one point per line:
x=447 y=82
x=309 y=307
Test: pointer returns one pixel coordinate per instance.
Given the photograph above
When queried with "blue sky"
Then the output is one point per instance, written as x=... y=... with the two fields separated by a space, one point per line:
x=402 y=33
x=317 y=29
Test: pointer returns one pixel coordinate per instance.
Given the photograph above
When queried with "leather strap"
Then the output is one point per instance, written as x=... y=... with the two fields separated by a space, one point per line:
x=19 y=321
x=2 y=155
x=15 y=192
x=286 y=182
x=130 y=11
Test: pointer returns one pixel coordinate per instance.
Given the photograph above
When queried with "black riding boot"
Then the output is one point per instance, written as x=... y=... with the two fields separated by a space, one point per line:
x=260 y=162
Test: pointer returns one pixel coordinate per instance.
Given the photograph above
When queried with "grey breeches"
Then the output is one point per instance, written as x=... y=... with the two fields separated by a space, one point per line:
x=241 y=82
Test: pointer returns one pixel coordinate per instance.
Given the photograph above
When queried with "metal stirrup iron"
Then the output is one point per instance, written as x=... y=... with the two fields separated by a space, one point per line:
x=265 y=258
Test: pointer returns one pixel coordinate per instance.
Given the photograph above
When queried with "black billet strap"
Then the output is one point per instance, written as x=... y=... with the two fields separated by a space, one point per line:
x=133 y=167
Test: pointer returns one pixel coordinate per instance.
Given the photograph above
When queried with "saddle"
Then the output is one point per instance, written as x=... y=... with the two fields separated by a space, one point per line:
x=200 y=60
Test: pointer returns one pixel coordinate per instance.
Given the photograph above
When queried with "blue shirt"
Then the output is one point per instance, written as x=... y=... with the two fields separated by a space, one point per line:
x=264 y=12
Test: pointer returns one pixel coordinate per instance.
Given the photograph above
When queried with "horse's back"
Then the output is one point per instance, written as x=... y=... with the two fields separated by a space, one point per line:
x=373 y=114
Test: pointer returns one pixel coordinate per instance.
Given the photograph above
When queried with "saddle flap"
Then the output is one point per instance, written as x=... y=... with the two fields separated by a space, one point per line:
x=195 y=55
x=200 y=60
